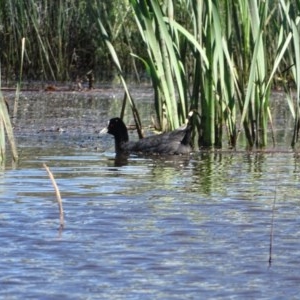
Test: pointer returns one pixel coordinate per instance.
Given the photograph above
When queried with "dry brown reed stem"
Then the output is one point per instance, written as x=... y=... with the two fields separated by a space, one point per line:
x=58 y=197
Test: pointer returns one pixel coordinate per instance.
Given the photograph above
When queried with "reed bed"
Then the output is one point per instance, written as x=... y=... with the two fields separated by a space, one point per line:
x=219 y=64
x=220 y=59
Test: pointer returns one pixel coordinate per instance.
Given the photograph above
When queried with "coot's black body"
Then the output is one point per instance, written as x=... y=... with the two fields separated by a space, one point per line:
x=170 y=143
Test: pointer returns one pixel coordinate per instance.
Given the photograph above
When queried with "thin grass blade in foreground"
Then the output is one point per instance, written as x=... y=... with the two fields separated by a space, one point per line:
x=2 y=142
x=6 y=124
x=272 y=227
x=114 y=56
x=58 y=197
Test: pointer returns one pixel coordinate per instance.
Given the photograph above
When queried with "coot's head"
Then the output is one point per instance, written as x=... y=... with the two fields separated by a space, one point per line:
x=118 y=129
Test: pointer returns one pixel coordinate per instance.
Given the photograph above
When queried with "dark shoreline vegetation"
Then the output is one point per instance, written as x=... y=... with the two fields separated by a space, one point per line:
x=220 y=59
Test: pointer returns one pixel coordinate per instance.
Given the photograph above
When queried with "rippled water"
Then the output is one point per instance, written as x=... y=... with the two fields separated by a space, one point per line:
x=152 y=228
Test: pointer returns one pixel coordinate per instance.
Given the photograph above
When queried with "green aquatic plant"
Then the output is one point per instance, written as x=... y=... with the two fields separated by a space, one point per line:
x=6 y=130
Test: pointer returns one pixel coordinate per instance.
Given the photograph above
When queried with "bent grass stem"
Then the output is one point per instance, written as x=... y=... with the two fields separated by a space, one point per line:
x=58 y=197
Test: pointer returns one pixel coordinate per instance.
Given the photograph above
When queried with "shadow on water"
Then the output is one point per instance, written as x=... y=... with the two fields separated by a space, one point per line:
x=141 y=227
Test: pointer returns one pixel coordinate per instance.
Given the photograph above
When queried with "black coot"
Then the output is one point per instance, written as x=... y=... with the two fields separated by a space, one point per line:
x=175 y=142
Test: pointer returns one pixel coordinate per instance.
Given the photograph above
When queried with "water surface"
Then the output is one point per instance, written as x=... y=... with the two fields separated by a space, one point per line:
x=150 y=228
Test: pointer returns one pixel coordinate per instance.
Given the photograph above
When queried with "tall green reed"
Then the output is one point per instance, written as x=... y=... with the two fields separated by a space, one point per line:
x=162 y=62
x=231 y=67
x=256 y=71
x=19 y=83
x=291 y=30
